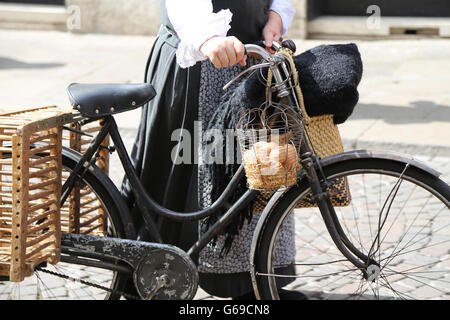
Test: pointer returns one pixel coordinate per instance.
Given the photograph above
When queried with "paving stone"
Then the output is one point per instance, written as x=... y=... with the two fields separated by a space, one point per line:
x=427 y=292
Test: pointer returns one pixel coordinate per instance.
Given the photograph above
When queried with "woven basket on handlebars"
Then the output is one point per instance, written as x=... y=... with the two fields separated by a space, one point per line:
x=324 y=139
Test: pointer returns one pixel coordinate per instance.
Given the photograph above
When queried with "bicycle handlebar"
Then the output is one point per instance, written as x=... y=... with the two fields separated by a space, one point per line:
x=260 y=48
x=256 y=49
x=271 y=60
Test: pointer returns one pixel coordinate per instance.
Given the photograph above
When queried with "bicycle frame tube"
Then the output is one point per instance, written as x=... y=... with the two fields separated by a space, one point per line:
x=146 y=204
x=223 y=222
x=84 y=162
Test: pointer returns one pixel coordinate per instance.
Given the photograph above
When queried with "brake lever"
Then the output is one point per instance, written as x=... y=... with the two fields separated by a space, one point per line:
x=252 y=68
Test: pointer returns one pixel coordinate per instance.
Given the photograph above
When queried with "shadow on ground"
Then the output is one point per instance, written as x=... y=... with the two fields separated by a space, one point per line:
x=8 y=63
x=317 y=295
x=416 y=112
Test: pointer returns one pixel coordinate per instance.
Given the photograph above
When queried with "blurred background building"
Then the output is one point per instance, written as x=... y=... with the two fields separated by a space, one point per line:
x=314 y=18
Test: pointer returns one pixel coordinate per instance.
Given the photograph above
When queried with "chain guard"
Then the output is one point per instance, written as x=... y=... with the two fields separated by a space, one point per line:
x=151 y=263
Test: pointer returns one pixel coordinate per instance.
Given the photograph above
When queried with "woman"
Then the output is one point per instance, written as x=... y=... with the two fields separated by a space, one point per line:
x=199 y=48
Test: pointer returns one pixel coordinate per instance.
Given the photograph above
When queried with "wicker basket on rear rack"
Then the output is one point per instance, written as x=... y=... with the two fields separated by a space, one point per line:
x=31 y=175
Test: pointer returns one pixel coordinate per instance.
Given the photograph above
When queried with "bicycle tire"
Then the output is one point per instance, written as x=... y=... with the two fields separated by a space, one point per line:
x=308 y=240
x=44 y=285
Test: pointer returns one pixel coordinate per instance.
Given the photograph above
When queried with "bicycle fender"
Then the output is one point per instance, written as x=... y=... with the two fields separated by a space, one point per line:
x=125 y=214
x=365 y=154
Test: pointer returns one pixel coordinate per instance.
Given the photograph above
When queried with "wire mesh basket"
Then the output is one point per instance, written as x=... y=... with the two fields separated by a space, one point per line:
x=269 y=139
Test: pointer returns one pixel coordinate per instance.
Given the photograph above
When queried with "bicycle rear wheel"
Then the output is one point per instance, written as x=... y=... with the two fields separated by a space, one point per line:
x=62 y=281
x=398 y=216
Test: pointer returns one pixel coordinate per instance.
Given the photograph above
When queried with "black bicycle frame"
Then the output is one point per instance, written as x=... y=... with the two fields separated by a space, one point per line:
x=146 y=204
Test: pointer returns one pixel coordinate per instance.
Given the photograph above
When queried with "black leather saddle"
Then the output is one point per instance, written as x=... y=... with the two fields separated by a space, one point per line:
x=99 y=100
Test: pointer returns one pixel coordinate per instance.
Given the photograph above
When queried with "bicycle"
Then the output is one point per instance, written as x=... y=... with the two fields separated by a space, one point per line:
x=366 y=254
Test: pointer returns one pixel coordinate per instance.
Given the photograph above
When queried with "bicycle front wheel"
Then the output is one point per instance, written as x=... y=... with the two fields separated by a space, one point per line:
x=71 y=281
x=399 y=216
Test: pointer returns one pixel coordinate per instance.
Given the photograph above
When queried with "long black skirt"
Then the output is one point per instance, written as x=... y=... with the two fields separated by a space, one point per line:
x=174 y=107
x=173 y=186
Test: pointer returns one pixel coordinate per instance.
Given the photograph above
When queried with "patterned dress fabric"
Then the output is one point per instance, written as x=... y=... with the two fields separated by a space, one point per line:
x=211 y=259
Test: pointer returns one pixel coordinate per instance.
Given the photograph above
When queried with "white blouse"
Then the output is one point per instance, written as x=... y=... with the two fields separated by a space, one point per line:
x=206 y=24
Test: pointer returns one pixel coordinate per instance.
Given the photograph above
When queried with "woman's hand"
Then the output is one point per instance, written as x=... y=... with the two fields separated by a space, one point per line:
x=224 y=51
x=273 y=30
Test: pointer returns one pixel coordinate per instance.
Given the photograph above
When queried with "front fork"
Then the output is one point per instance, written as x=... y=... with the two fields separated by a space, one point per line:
x=321 y=196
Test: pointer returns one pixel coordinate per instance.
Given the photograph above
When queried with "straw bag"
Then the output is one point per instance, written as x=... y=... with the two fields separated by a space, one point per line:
x=324 y=140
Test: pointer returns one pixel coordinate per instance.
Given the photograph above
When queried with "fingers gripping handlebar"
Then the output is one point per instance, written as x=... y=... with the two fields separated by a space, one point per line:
x=259 y=48
x=271 y=60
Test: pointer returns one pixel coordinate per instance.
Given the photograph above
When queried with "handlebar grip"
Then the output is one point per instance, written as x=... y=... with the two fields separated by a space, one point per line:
x=289 y=44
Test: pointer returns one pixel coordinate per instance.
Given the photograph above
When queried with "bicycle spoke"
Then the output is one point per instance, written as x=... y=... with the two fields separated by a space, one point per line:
x=334 y=280
x=397 y=188
x=309 y=264
x=374 y=291
x=401 y=239
x=424 y=283
x=69 y=284
x=425 y=265
x=399 y=212
x=89 y=291
x=47 y=289
x=391 y=196
x=403 y=253
x=300 y=276
x=320 y=236
x=398 y=253
x=350 y=234
x=367 y=205
x=360 y=291
x=387 y=285
x=418 y=232
x=357 y=228
x=413 y=274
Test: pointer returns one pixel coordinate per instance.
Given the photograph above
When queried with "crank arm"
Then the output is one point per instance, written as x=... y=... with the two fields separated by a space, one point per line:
x=147 y=261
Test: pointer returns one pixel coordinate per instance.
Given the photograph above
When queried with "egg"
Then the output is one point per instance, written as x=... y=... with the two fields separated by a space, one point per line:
x=263 y=149
x=272 y=168
x=285 y=155
x=250 y=158
x=266 y=159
